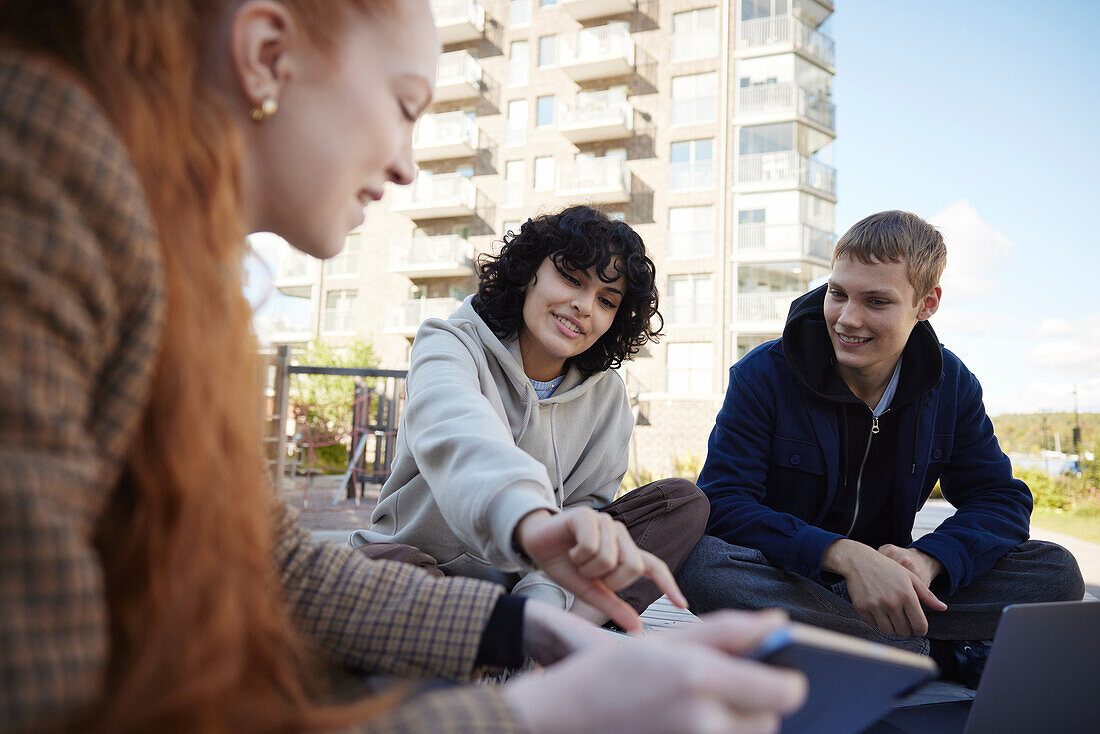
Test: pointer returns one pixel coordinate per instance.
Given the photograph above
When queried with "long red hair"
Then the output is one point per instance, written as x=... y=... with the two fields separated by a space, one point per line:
x=201 y=639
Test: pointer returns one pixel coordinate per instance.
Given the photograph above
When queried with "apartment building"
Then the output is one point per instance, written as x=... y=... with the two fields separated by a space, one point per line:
x=704 y=124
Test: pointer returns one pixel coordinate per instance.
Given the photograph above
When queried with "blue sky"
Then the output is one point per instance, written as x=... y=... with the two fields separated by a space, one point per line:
x=981 y=116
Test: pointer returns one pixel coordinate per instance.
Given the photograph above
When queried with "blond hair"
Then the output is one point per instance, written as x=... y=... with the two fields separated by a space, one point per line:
x=894 y=237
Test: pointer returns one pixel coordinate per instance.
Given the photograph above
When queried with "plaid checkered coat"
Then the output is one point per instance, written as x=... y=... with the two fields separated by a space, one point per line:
x=81 y=302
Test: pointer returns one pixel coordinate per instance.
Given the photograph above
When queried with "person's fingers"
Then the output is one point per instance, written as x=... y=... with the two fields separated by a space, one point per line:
x=606 y=558
x=925 y=595
x=585 y=528
x=749 y=686
x=658 y=572
x=914 y=616
x=630 y=566
x=733 y=632
x=599 y=596
x=882 y=621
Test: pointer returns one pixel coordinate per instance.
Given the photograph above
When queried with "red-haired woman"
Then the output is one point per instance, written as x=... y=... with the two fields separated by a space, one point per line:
x=146 y=581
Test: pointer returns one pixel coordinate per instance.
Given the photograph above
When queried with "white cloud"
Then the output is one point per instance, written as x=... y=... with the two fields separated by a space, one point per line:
x=1070 y=348
x=974 y=251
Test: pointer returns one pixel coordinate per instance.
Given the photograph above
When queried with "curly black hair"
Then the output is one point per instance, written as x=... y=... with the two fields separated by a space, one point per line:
x=577 y=238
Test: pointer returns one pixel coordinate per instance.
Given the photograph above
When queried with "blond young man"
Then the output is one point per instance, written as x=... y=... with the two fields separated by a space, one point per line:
x=832 y=438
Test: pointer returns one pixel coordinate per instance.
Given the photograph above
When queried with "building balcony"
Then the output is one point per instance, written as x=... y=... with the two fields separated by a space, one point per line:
x=783 y=34
x=783 y=170
x=458 y=76
x=765 y=310
x=588 y=9
x=459 y=20
x=782 y=241
x=448 y=256
x=445 y=135
x=435 y=197
x=595 y=180
x=595 y=116
x=785 y=100
x=405 y=317
x=690 y=175
x=295 y=273
x=594 y=53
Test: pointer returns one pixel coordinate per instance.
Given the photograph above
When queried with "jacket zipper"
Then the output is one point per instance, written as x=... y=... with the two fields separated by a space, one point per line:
x=859 y=476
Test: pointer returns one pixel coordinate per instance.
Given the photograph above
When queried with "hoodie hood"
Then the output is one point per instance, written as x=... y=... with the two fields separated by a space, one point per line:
x=809 y=352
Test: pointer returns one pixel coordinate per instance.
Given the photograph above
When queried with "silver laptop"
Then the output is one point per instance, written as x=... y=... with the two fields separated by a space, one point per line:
x=1043 y=673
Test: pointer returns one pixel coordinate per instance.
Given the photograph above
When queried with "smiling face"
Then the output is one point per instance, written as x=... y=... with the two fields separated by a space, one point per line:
x=564 y=313
x=870 y=313
x=344 y=124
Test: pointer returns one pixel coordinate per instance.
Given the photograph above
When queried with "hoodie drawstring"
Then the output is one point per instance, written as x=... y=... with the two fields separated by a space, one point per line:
x=526 y=417
x=560 y=489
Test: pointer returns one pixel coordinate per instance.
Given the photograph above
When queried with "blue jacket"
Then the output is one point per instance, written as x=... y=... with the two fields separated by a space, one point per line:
x=774 y=454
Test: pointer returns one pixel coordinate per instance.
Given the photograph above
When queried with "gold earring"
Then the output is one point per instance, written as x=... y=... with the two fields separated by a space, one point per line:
x=266 y=108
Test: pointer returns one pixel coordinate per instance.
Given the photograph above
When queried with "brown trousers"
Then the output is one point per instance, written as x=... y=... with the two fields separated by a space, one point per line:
x=666 y=518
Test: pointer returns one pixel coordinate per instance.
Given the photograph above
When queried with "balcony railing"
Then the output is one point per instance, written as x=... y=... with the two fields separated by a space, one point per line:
x=769 y=306
x=339 y=321
x=692 y=45
x=445 y=135
x=688 y=175
x=786 y=98
x=405 y=317
x=588 y=9
x=458 y=76
x=786 y=238
x=592 y=53
x=459 y=20
x=598 y=180
x=593 y=116
x=786 y=168
x=788 y=31
x=428 y=257
x=446 y=195
x=294 y=268
x=693 y=110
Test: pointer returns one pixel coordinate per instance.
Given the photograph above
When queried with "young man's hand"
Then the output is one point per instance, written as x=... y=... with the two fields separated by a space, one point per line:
x=593 y=556
x=923 y=565
x=886 y=594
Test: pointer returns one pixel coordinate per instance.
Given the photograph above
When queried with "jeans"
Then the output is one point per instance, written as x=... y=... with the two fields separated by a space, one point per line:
x=718 y=575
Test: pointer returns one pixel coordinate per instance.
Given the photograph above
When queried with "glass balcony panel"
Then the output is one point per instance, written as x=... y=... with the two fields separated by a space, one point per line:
x=786 y=168
x=446 y=195
x=592 y=53
x=424 y=257
x=786 y=98
x=590 y=116
x=405 y=317
x=693 y=110
x=693 y=45
x=598 y=180
x=588 y=9
x=771 y=239
x=445 y=135
x=458 y=76
x=459 y=20
x=765 y=306
x=786 y=30
x=691 y=175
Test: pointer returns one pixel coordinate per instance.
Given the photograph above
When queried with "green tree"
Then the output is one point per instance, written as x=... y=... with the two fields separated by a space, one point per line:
x=323 y=403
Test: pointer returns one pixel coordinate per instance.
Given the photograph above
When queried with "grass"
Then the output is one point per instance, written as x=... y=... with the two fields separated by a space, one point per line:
x=1080 y=522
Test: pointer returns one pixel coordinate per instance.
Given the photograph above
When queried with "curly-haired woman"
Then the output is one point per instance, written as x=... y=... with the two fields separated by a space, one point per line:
x=516 y=435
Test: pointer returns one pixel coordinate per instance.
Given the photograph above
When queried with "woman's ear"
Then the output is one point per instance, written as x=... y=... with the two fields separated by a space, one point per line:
x=261 y=35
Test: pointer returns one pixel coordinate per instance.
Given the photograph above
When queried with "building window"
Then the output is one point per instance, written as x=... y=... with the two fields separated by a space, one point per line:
x=347 y=262
x=517 y=122
x=690 y=232
x=544 y=111
x=694 y=98
x=690 y=300
x=548 y=3
x=544 y=173
x=514 y=184
x=746 y=344
x=691 y=165
x=520 y=13
x=510 y=226
x=689 y=368
x=753 y=9
x=695 y=34
x=548 y=50
x=518 y=64
x=340 y=310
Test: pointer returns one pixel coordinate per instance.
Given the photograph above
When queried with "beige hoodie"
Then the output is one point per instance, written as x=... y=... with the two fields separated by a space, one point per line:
x=477 y=450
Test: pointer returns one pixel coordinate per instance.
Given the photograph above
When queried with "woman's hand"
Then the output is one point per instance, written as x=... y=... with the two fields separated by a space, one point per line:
x=593 y=556
x=551 y=634
x=680 y=682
